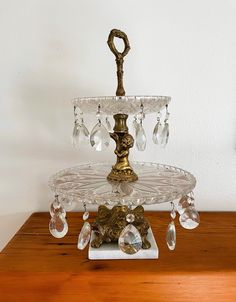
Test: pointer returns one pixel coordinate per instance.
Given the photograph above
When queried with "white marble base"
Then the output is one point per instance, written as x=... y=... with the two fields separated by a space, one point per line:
x=112 y=251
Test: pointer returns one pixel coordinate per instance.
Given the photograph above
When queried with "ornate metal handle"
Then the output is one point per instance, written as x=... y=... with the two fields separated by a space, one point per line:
x=116 y=33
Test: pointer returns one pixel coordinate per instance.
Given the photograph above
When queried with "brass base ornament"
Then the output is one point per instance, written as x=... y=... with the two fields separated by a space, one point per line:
x=122 y=171
x=110 y=223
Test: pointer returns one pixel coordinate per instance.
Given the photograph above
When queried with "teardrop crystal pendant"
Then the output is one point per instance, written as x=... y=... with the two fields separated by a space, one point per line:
x=135 y=124
x=165 y=135
x=84 y=134
x=56 y=208
x=171 y=236
x=157 y=133
x=84 y=236
x=58 y=226
x=108 y=124
x=183 y=204
x=130 y=241
x=99 y=137
x=189 y=219
x=141 y=139
x=75 y=135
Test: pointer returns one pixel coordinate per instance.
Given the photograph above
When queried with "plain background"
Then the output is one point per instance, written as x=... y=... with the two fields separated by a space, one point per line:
x=54 y=50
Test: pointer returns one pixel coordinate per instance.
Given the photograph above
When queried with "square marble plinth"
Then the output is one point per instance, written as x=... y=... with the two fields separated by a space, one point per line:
x=112 y=251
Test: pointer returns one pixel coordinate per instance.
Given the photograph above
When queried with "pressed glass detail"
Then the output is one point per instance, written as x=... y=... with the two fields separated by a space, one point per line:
x=130 y=241
x=84 y=236
x=171 y=236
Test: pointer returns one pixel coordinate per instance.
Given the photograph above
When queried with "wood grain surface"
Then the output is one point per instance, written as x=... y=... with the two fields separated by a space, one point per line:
x=34 y=266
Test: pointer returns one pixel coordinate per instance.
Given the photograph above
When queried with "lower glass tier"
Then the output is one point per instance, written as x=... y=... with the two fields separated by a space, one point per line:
x=157 y=183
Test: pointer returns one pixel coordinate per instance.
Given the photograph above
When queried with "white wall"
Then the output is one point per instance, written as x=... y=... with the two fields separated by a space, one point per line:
x=54 y=50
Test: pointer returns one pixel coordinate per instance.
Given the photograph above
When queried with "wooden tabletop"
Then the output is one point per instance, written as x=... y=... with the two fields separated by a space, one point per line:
x=34 y=266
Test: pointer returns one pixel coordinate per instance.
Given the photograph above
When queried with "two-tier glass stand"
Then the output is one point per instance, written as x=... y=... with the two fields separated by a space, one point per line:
x=120 y=230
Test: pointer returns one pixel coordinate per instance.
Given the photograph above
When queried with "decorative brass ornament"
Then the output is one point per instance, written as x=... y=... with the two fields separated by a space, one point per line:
x=110 y=223
x=121 y=171
x=116 y=33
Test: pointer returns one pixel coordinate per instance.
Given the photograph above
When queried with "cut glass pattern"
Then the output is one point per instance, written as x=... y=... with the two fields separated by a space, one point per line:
x=156 y=184
x=111 y=105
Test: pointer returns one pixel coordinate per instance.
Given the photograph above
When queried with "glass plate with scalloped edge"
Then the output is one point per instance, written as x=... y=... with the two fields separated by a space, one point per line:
x=111 y=105
x=157 y=183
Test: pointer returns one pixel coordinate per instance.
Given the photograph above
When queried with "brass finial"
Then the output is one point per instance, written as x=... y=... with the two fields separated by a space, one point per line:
x=116 y=33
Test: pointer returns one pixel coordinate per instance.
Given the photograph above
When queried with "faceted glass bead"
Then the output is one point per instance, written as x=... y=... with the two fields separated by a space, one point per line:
x=58 y=226
x=156 y=136
x=86 y=215
x=130 y=218
x=165 y=135
x=140 y=138
x=130 y=241
x=189 y=219
x=84 y=236
x=171 y=236
x=183 y=204
x=57 y=209
x=100 y=137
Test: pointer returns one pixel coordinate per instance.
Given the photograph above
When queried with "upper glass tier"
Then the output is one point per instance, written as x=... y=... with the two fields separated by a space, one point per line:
x=110 y=105
x=156 y=184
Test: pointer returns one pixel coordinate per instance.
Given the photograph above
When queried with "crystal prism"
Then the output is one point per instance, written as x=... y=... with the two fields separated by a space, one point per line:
x=84 y=236
x=57 y=209
x=130 y=241
x=140 y=138
x=100 y=137
x=157 y=133
x=108 y=124
x=171 y=236
x=135 y=124
x=80 y=135
x=130 y=218
x=190 y=218
x=165 y=135
x=84 y=134
x=75 y=136
x=182 y=205
x=85 y=215
x=58 y=226
x=173 y=214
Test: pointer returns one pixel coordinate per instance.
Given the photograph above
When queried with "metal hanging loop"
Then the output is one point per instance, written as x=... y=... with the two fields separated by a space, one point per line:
x=116 y=33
